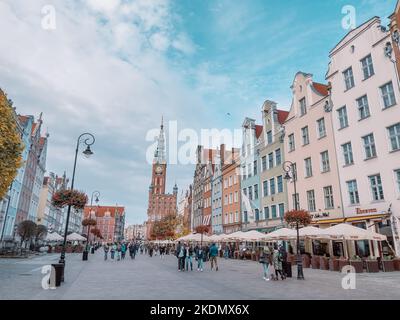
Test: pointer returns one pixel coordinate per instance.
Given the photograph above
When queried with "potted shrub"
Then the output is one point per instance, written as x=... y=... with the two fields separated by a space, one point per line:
x=396 y=263
x=306 y=260
x=372 y=265
x=388 y=264
x=315 y=262
x=334 y=264
x=343 y=262
x=357 y=263
x=324 y=263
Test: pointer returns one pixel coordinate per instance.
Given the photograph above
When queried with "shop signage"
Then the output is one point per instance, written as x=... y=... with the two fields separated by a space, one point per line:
x=364 y=211
x=320 y=215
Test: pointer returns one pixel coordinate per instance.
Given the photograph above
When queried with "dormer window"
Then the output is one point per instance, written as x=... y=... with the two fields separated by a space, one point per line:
x=303 y=107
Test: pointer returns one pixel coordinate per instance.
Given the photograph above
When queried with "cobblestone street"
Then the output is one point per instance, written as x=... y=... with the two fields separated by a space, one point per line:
x=154 y=278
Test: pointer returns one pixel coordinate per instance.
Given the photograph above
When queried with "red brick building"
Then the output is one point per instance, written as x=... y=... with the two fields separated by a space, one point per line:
x=160 y=204
x=110 y=221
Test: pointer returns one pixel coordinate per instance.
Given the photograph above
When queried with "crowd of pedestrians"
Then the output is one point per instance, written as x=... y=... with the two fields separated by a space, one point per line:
x=118 y=250
x=274 y=262
x=186 y=253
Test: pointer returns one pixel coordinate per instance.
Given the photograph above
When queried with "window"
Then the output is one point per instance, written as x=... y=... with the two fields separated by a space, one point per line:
x=352 y=189
x=394 y=136
x=376 y=187
x=303 y=107
x=266 y=212
x=328 y=197
x=347 y=153
x=311 y=200
x=321 y=128
x=278 y=156
x=367 y=67
x=308 y=167
x=369 y=146
x=236 y=199
x=272 y=186
x=230 y=198
x=348 y=78
x=388 y=96
x=255 y=167
x=235 y=179
x=265 y=188
x=244 y=192
x=292 y=146
x=264 y=163
x=226 y=200
x=295 y=199
x=249 y=170
x=270 y=160
x=230 y=181
x=225 y=183
x=279 y=180
x=269 y=137
x=257 y=214
x=281 y=210
x=342 y=116
x=325 y=166
x=363 y=107
x=244 y=177
x=255 y=191
x=397 y=175
x=273 y=211
x=304 y=135
x=236 y=216
x=251 y=193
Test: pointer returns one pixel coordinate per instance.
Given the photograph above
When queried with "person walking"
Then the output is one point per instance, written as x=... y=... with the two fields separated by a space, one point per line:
x=226 y=251
x=213 y=256
x=132 y=250
x=113 y=250
x=277 y=264
x=200 y=256
x=265 y=261
x=181 y=257
x=188 y=257
x=123 y=250
x=118 y=251
x=106 y=248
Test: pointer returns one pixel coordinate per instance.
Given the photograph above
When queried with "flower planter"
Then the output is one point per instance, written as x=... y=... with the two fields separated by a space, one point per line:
x=396 y=263
x=334 y=264
x=306 y=261
x=358 y=265
x=292 y=259
x=372 y=265
x=315 y=262
x=342 y=263
x=388 y=265
x=324 y=263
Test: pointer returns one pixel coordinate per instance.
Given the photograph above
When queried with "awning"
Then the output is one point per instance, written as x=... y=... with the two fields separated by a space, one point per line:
x=352 y=219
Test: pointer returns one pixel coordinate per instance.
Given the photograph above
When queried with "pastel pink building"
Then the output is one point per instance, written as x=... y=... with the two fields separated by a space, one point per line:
x=309 y=144
x=366 y=121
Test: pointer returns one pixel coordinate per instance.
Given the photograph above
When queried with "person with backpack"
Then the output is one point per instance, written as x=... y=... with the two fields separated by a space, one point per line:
x=123 y=250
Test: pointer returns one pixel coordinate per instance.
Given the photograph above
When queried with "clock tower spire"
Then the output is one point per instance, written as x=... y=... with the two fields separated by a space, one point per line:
x=159 y=173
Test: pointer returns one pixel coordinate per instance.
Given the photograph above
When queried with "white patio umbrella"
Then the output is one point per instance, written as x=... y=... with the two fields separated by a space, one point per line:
x=194 y=237
x=344 y=231
x=281 y=234
x=75 y=237
x=254 y=235
x=311 y=232
x=238 y=235
x=215 y=237
x=54 y=236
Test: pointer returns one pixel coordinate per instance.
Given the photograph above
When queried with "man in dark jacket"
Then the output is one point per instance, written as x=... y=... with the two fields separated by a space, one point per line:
x=180 y=254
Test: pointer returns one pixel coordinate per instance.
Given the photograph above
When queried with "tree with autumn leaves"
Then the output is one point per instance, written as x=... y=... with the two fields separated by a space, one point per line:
x=10 y=145
x=165 y=228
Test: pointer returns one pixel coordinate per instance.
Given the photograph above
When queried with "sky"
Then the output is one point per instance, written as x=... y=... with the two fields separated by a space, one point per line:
x=115 y=67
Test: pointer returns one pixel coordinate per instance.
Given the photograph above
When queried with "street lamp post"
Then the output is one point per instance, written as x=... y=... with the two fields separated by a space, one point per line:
x=290 y=173
x=88 y=139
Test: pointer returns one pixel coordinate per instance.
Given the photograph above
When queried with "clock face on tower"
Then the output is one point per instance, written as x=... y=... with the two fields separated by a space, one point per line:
x=159 y=170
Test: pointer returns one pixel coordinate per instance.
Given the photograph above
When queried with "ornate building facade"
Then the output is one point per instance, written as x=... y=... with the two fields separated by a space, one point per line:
x=160 y=204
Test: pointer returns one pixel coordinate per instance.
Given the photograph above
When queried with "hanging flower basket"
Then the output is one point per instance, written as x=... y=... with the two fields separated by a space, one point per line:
x=202 y=229
x=74 y=198
x=300 y=217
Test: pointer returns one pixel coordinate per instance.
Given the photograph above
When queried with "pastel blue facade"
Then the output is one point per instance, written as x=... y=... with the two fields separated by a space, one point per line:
x=216 y=196
x=250 y=170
